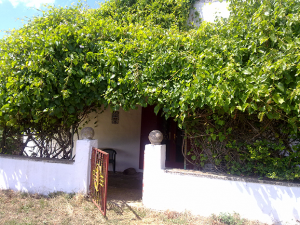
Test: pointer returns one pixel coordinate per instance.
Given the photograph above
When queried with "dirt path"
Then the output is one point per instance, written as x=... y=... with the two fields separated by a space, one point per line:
x=125 y=188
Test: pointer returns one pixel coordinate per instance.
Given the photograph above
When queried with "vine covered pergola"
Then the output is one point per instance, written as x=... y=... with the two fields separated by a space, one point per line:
x=233 y=85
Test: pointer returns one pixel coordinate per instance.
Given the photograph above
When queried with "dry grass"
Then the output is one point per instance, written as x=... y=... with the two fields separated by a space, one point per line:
x=60 y=208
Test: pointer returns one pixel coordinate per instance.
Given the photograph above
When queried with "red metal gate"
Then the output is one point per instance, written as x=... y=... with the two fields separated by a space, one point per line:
x=99 y=175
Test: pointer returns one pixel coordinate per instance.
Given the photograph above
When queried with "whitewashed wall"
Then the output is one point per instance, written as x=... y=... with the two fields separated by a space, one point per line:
x=123 y=137
x=204 y=195
x=43 y=176
x=208 y=10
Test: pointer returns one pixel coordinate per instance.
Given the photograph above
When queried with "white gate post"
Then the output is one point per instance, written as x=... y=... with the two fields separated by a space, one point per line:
x=154 y=165
x=83 y=161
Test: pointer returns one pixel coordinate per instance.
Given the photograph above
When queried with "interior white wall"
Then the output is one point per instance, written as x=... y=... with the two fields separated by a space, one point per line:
x=268 y=203
x=123 y=137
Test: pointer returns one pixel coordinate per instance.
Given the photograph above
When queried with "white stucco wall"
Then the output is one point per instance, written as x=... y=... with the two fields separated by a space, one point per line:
x=273 y=204
x=36 y=176
x=208 y=10
x=123 y=137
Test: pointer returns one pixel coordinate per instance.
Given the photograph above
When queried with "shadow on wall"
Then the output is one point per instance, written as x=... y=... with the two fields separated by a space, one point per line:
x=35 y=176
x=280 y=203
x=13 y=180
x=41 y=175
x=206 y=193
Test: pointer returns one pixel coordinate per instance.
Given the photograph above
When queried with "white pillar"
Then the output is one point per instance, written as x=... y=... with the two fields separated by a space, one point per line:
x=82 y=168
x=155 y=157
x=154 y=165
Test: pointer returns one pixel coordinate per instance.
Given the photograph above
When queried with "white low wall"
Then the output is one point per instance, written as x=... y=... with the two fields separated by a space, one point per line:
x=35 y=175
x=205 y=194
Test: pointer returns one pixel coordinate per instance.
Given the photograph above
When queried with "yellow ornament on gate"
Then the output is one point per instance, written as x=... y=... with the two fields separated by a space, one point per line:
x=98 y=177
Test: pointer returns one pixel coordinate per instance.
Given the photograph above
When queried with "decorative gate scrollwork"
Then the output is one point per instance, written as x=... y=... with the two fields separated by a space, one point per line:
x=99 y=178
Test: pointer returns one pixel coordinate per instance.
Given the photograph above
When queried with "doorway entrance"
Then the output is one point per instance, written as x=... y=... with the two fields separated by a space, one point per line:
x=173 y=137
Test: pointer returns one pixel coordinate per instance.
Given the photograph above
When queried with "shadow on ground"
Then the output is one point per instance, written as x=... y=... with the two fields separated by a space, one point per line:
x=126 y=188
x=124 y=191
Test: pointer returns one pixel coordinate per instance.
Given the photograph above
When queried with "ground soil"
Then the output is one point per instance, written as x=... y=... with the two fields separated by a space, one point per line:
x=127 y=188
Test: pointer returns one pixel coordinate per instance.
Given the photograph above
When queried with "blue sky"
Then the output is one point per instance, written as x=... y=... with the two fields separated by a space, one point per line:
x=11 y=10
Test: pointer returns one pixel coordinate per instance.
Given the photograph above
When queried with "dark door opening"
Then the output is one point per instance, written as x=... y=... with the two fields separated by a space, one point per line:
x=173 y=137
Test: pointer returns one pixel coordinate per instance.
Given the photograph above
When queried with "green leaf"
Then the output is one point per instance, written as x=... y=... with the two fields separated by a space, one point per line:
x=261 y=116
x=263 y=39
x=213 y=136
x=71 y=109
x=247 y=71
x=221 y=136
x=278 y=99
x=156 y=109
x=280 y=86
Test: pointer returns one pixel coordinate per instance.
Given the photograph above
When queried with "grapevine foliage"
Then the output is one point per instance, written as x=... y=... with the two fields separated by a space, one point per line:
x=69 y=61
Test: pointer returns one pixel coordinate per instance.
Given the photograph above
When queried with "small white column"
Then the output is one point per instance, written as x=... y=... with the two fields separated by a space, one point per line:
x=83 y=164
x=154 y=165
x=155 y=158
